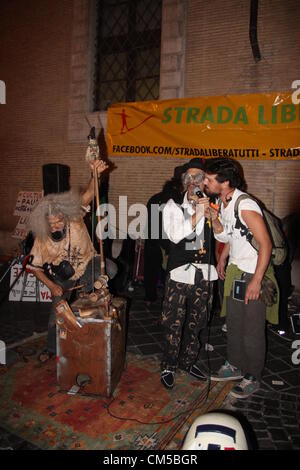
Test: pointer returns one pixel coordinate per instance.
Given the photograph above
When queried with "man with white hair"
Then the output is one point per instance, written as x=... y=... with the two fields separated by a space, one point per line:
x=63 y=253
x=189 y=290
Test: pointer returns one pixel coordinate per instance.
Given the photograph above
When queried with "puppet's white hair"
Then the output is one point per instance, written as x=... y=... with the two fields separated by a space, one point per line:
x=68 y=204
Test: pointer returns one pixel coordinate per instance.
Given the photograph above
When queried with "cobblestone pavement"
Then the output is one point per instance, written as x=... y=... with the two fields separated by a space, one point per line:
x=273 y=411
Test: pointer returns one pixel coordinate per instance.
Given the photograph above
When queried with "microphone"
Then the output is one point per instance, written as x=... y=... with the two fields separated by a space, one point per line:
x=212 y=199
x=197 y=192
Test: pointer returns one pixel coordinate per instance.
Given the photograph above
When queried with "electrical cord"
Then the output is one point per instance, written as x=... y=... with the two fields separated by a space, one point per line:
x=121 y=418
x=190 y=410
x=208 y=310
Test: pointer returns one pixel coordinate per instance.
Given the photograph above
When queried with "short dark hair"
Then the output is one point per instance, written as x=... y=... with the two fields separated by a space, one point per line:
x=226 y=169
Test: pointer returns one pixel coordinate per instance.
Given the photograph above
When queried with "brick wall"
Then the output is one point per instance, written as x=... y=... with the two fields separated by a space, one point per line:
x=35 y=51
x=219 y=56
x=137 y=178
x=46 y=52
x=46 y=58
x=219 y=61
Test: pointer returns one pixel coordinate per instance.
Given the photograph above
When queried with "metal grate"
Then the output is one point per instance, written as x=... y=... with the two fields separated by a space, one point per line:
x=127 y=51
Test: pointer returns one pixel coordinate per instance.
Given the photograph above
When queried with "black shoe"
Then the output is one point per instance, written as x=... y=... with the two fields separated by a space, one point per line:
x=196 y=372
x=167 y=378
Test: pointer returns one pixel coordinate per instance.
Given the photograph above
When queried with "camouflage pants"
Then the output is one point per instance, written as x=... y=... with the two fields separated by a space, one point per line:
x=184 y=316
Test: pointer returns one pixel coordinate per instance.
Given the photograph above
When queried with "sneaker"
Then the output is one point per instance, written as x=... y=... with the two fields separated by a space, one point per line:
x=196 y=372
x=227 y=372
x=245 y=388
x=224 y=328
x=167 y=378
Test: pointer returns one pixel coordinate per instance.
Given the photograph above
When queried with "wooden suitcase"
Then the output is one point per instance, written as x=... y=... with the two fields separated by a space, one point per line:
x=90 y=350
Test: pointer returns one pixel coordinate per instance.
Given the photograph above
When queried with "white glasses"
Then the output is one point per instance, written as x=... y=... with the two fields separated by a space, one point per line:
x=198 y=178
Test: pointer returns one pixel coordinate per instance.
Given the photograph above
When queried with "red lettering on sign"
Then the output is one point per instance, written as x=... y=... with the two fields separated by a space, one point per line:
x=16 y=270
x=46 y=295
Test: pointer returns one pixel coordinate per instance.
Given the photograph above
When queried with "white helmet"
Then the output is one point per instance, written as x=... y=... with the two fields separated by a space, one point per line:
x=216 y=431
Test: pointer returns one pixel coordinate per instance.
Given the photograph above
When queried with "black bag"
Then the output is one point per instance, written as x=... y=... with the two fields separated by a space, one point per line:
x=62 y=272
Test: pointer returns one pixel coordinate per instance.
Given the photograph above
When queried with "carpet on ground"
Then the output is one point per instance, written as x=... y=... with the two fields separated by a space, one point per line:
x=140 y=415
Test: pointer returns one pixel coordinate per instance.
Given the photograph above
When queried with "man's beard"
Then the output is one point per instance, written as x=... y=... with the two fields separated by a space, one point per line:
x=211 y=195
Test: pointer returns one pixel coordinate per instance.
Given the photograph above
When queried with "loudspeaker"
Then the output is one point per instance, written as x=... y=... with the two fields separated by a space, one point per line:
x=56 y=178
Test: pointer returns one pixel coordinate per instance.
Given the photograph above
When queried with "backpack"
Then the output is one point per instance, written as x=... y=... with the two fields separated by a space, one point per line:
x=279 y=245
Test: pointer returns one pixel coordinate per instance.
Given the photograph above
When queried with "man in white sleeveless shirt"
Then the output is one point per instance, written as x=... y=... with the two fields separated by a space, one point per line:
x=245 y=309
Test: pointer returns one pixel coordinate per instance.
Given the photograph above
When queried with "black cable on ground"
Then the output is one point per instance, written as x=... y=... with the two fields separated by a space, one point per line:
x=190 y=410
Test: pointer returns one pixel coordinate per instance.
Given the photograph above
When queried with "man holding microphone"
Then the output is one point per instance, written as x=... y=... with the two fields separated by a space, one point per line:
x=188 y=291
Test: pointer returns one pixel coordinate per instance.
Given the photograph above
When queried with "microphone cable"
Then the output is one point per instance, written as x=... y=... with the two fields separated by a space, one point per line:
x=208 y=310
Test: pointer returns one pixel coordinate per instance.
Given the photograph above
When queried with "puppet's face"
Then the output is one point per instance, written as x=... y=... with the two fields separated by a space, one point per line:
x=57 y=226
x=193 y=178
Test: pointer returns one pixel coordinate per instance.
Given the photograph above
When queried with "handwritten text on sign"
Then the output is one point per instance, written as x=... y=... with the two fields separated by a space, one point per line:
x=33 y=290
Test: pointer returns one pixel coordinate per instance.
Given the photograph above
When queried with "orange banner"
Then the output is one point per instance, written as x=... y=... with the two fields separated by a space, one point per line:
x=245 y=127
